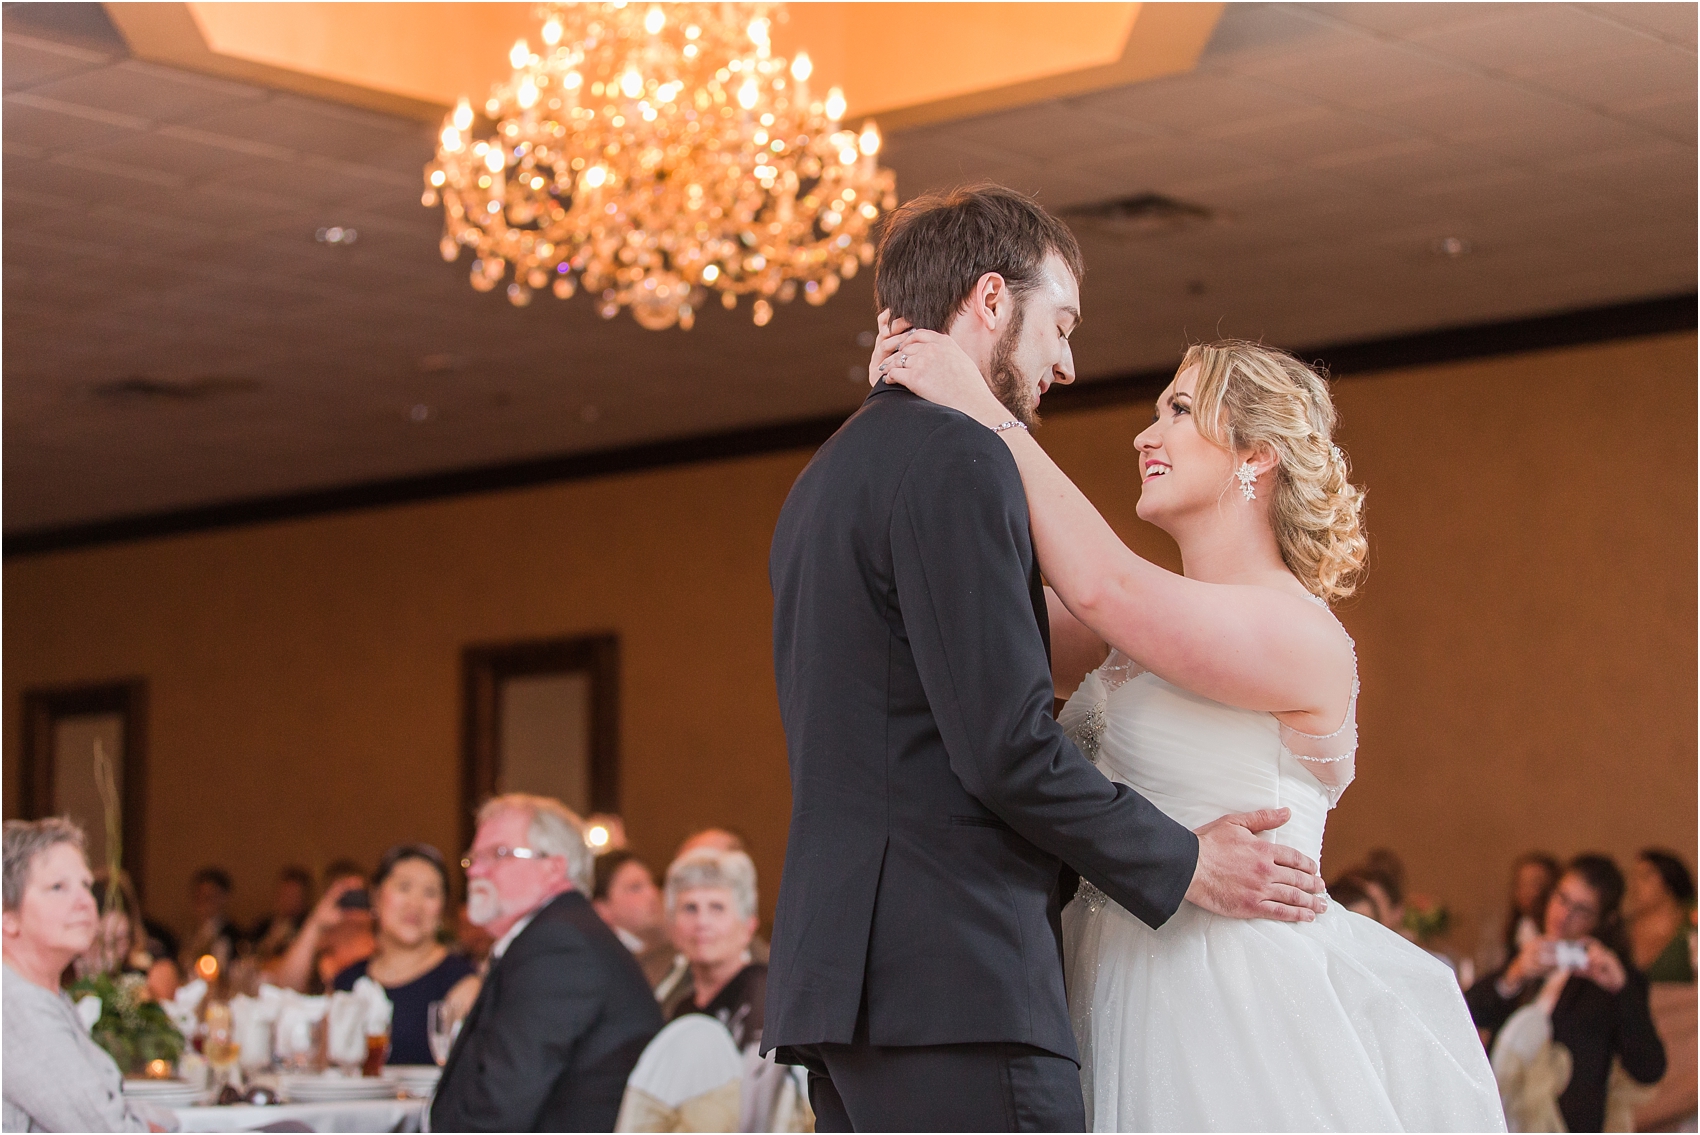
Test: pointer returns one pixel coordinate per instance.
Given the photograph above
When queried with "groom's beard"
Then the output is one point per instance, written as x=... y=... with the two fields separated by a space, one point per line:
x=1007 y=383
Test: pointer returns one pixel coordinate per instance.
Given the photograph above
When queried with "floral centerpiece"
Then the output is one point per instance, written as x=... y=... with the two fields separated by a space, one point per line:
x=132 y=1027
x=1427 y=919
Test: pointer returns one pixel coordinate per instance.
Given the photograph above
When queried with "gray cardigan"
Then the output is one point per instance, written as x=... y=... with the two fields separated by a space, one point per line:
x=55 y=1077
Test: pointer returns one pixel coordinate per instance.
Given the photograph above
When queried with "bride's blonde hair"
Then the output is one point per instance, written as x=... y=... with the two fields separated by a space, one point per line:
x=1250 y=395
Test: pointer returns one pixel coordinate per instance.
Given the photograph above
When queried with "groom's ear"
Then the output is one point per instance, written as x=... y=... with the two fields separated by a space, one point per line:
x=989 y=302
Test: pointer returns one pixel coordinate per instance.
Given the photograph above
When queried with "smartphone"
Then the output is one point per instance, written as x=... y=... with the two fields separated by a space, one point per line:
x=1570 y=955
x=357 y=899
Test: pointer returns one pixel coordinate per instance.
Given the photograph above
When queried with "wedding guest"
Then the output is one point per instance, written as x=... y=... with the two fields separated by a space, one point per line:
x=472 y=940
x=626 y=897
x=271 y=935
x=1533 y=877
x=1356 y=895
x=711 y=908
x=415 y=969
x=564 y=1012
x=716 y=839
x=1656 y=909
x=56 y=1078
x=335 y=935
x=1598 y=1009
x=210 y=931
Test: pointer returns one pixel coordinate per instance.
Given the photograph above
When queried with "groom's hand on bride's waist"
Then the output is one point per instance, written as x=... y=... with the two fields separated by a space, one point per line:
x=1241 y=876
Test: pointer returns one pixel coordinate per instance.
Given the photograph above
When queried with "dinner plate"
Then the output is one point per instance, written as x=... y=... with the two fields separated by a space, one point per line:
x=166 y=1093
x=332 y=1087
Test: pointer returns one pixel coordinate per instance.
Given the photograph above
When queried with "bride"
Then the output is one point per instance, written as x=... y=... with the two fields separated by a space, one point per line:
x=1228 y=688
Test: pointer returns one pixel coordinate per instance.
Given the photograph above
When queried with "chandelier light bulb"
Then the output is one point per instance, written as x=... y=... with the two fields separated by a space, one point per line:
x=759 y=34
x=649 y=170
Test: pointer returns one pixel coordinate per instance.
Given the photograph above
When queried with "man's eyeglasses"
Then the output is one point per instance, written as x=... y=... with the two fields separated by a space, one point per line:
x=500 y=851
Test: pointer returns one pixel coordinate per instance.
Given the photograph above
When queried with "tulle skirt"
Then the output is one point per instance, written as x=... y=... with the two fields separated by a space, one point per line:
x=1218 y=1024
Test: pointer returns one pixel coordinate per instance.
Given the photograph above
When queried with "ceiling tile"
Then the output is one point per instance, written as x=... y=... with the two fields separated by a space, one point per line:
x=1531 y=37
x=26 y=61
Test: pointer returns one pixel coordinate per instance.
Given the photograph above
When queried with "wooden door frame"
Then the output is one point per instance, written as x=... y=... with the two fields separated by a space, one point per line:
x=485 y=666
x=43 y=707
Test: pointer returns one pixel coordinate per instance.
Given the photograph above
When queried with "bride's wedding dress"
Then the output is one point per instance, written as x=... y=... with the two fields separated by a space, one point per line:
x=1220 y=1024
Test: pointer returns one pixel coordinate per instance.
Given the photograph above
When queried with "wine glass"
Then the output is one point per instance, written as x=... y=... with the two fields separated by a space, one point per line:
x=442 y=1026
x=219 y=1045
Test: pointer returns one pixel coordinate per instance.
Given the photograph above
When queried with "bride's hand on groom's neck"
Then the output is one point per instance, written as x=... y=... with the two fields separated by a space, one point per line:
x=1241 y=876
x=934 y=366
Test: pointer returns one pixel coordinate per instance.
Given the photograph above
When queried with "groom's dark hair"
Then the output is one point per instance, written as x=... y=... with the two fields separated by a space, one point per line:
x=934 y=249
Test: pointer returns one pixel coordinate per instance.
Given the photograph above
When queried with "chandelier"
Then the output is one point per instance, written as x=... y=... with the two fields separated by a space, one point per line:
x=651 y=155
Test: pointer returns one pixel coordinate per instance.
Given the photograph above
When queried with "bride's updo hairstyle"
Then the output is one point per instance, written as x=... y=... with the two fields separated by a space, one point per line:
x=1250 y=395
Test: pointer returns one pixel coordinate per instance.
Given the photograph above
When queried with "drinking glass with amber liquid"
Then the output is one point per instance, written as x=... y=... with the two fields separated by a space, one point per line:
x=377 y=1051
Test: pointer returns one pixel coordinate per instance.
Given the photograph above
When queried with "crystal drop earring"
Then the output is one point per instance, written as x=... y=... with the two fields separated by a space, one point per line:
x=1248 y=480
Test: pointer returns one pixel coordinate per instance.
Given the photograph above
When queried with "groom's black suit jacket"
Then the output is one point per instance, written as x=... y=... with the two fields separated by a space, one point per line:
x=934 y=796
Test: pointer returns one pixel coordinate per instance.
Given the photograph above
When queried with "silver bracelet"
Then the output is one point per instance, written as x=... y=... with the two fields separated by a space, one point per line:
x=1009 y=425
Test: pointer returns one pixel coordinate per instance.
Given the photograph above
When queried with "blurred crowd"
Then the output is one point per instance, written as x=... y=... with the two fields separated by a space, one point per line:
x=1584 y=994
x=578 y=987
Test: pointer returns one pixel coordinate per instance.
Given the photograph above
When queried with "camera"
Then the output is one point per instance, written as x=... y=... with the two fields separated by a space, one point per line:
x=356 y=899
x=1570 y=955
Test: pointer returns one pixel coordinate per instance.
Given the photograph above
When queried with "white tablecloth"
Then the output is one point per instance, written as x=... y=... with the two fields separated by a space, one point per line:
x=354 y=1115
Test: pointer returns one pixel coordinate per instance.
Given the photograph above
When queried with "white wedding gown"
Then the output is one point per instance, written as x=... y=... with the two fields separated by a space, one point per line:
x=1220 y=1024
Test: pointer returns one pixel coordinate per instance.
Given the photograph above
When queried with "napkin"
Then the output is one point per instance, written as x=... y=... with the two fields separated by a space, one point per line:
x=376 y=1003
x=88 y=1009
x=252 y=1021
x=296 y=1017
x=345 y=1039
x=184 y=1009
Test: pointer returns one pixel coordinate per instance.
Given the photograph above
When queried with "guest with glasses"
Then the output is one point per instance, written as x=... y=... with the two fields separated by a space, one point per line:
x=414 y=967
x=1579 y=994
x=565 y=1011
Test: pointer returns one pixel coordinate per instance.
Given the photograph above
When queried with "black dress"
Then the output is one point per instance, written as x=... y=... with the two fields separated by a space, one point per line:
x=740 y=1006
x=408 y=1043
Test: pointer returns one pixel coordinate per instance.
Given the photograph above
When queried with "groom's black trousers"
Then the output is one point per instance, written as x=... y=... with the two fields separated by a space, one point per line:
x=942 y=1087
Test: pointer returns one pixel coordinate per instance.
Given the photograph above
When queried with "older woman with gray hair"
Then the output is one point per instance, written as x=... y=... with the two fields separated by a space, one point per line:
x=711 y=914
x=56 y=1078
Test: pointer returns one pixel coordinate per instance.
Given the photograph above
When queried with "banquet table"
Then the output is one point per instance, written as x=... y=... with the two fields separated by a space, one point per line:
x=347 y=1115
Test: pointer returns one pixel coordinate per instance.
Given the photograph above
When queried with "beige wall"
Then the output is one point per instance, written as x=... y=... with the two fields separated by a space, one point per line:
x=1527 y=635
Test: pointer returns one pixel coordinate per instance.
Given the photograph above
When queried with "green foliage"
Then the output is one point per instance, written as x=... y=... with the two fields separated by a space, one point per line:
x=132 y=1028
x=1427 y=919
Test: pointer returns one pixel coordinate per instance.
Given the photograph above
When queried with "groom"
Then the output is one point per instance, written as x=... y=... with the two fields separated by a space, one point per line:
x=917 y=961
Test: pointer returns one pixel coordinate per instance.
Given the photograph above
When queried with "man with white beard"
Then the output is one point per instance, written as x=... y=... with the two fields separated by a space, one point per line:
x=565 y=1011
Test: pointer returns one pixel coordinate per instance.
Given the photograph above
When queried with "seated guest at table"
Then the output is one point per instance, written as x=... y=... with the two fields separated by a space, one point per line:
x=564 y=1012
x=210 y=931
x=335 y=935
x=414 y=968
x=271 y=935
x=55 y=1077
x=1656 y=908
x=711 y=908
x=1357 y=895
x=1598 y=1011
x=1533 y=876
x=472 y=940
x=630 y=903
x=722 y=839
